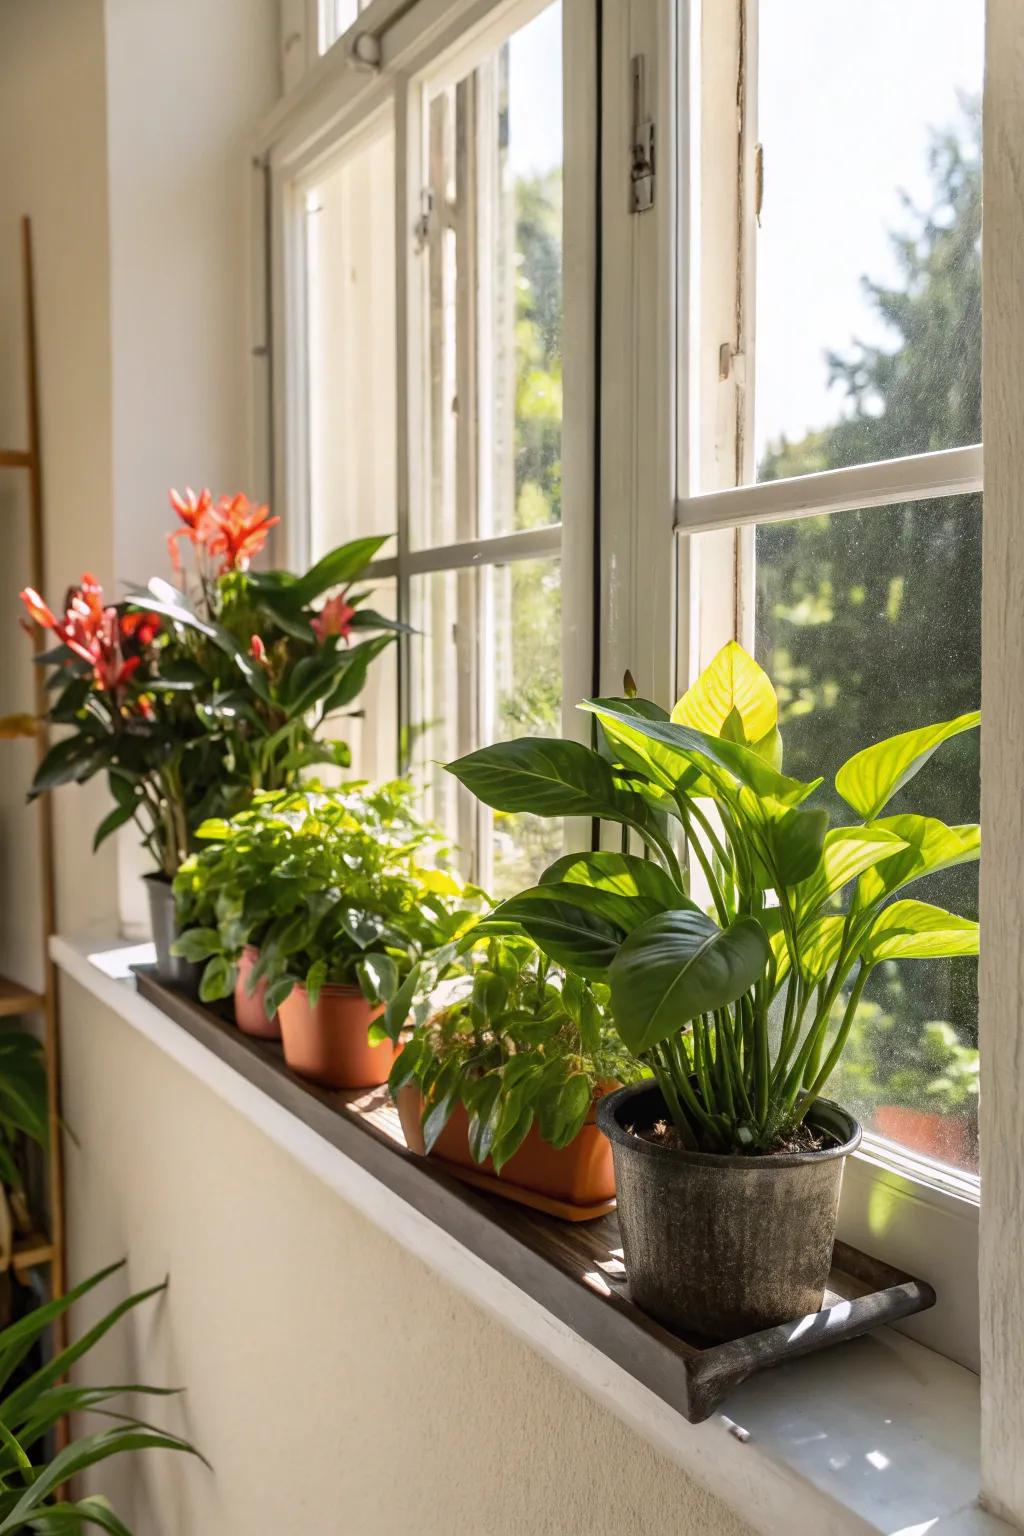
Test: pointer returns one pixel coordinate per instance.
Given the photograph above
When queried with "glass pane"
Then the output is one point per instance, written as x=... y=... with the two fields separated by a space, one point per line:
x=869 y=623
x=493 y=248
x=524 y=698
x=336 y=16
x=868 y=285
x=371 y=727
x=486 y=666
x=350 y=306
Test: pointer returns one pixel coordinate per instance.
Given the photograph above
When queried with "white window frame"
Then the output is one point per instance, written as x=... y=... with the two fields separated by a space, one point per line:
x=323 y=119
x=657 y=448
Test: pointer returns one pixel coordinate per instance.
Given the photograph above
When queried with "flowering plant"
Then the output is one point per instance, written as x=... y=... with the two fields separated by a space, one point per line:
x=192 y=696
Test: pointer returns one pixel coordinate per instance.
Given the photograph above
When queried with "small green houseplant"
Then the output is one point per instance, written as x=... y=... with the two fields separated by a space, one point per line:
x=342 y=893
x=33 y=1490
x=736 y=950
x=190 y=696
x=506 y=1070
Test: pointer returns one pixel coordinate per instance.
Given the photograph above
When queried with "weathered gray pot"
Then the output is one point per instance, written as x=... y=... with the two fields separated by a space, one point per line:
x=184 y=974
x=723 y=1245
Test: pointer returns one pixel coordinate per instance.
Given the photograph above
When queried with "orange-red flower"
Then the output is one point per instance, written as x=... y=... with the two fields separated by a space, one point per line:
x=241 y=530
x=91 y=631
x=334 y=618
x=257 y=650
x=194 y=513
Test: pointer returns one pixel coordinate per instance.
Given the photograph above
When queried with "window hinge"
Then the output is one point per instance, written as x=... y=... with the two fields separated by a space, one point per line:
x=424 y=224
x=641 y=159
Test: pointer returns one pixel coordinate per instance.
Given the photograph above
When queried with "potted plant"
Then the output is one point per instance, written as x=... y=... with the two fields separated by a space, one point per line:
x=736 y=953
x=341 y=894
x=502 y=1080
x=34 y=1490
x=190 y=697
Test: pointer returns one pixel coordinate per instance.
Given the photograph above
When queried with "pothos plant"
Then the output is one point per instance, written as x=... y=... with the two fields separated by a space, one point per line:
x=190 y=696
x=333 y=886
x=738 y=947
x=517 y=1041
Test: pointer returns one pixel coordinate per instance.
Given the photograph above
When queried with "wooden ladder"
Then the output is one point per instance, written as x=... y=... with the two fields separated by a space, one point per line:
x=43 y=1247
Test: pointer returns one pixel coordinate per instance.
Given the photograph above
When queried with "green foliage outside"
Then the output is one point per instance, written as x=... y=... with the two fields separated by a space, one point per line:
x=870 y=622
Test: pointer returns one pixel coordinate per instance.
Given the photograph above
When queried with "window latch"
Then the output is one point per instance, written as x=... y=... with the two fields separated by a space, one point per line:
x=422 y=227
x=641 y=166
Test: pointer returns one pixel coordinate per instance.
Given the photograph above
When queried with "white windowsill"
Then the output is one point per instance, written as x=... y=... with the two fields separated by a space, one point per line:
x=877 y=1437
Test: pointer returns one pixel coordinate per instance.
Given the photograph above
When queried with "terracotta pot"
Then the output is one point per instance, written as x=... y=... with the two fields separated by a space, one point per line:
x=720 y=1244
x=250 y=1015
x=327 y=1042
x=938 y=1136
x=579 y=1174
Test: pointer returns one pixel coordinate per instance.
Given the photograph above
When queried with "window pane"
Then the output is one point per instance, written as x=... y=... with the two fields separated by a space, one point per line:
x=493 y=249
x=350 y=304
x=869 y=623
x=867 y=333
x=486 y=666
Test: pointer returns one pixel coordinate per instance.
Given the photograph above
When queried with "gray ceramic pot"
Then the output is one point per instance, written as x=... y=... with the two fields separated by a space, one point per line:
x=169 y=968
x=720 y=1245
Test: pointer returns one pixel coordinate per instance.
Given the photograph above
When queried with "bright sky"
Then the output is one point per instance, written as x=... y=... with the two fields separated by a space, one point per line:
x=848 y=91
x=535 y=94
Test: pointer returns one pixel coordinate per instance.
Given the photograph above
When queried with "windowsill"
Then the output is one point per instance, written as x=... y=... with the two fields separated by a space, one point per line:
x=878 y=1435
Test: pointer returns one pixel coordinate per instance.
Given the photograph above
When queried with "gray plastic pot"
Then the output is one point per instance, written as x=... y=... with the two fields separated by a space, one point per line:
x=722 y=1245
x=170 y=969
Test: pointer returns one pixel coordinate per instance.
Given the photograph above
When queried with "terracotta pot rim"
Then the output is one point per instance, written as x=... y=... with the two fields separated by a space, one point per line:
x=337 y=989
x=612 y=1108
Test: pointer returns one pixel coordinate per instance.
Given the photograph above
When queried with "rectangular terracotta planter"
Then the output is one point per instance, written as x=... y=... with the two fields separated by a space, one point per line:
x=576 y=1182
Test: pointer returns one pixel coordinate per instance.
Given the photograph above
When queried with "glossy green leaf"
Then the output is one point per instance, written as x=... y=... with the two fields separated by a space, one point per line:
x=621 y=873
x=794 y=843
x=931 y=846
x=679 y=965
x=558 y=922
x=846 y=853
x=547 y=777
x=915 y=930
x=869 y=779
x=196 y=944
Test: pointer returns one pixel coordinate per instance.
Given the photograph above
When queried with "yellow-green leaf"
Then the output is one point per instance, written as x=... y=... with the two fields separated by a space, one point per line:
x=869 y=779
x=915 y=930
x=931 y=846
x=732 y=681
x=848 y=851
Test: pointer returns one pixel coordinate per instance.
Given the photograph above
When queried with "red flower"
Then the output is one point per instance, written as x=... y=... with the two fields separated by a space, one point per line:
x=141 y=627
x=194 y=513
x=91 y=631
x=241 y=530
x=38 y=610
x=257 y=650
x=334 y=618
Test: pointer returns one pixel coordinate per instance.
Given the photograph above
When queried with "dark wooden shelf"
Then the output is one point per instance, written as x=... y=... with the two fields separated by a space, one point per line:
x=574 y=1270
x=15 y=458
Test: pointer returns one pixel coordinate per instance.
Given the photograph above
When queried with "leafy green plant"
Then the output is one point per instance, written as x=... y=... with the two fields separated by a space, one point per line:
x=517 y=1041
x=191 y=696
x=32 y=1489
x=742 y=1002
x=23 y=1101
x=333 y=886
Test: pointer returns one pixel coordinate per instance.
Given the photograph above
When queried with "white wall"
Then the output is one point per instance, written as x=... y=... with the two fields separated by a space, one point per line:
x=337 y=1386
x=186 y=82
x=53 y=167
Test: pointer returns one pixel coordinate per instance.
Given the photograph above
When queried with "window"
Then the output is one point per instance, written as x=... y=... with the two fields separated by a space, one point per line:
x=335 y=18
x=485 y=527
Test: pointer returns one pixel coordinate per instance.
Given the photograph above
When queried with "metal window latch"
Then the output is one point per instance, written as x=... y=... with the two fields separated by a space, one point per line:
x=421 y=229
x=641 y=159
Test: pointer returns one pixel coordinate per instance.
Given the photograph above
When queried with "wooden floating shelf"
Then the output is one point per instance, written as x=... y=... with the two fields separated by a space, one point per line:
x=15 y=999
x=574 y=1270
x=32 y=1250
x=15 y=458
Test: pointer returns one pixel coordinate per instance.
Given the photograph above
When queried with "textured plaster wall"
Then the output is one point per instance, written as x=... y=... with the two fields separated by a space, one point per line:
x=52 y=167
x=335 y=1384
x=1002 y=780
